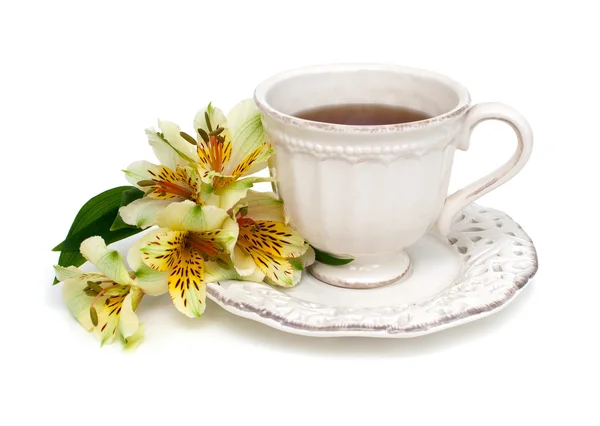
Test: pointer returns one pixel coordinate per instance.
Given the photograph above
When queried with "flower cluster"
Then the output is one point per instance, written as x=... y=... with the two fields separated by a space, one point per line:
x=209 y=226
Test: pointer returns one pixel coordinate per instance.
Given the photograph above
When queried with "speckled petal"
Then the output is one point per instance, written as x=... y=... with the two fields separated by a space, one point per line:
x=247 y=133
x=161 y=249
x=254 y=161
x=152 y=282
x=274 y=238
x=186 y=284
x=277 y=269
x=140 y=171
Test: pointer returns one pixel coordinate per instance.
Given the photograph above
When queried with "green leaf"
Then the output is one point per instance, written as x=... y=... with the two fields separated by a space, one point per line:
x=126 y=198
x=95 y=218
x=329 y=259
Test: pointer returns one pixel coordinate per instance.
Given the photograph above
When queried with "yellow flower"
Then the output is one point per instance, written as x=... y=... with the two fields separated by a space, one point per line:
x=192 y=245
x=105 y=302
x=230 y=148
x=209 y=170
x=266 y=243
x=175 y=179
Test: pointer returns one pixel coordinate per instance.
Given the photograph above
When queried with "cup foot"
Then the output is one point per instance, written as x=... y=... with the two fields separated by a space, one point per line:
x=363 y=274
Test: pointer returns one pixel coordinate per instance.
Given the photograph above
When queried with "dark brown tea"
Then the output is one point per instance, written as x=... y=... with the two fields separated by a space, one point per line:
x=362 y=114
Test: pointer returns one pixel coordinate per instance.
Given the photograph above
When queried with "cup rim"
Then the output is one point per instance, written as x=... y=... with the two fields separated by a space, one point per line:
x=261 y=91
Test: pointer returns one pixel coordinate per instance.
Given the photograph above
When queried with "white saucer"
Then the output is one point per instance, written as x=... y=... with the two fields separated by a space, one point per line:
x=485 y=262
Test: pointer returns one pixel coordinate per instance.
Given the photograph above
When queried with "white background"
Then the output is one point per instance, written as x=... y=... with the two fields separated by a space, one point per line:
x=80 y=81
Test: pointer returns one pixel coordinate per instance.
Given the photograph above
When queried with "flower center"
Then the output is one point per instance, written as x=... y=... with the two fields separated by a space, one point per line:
x=215 y=145
x=223 y=181
x=245 y=222
x=194 y=240
x=172 y=188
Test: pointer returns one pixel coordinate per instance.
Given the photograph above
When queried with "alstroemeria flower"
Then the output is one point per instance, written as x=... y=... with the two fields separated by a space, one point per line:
x=267 y=243
x=209 y=170
x=162 y=186
x=230 y=148
x=105 y=301
x=176 y=179
x=193 y=241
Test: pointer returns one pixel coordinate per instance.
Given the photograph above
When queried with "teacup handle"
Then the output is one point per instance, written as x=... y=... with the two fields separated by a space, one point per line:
x=476 y=114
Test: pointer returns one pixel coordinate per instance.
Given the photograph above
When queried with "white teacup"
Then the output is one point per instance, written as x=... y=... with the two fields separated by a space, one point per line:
x=368 y=192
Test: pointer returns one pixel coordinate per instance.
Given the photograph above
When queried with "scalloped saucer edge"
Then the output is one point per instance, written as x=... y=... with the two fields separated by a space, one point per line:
x=485 y=262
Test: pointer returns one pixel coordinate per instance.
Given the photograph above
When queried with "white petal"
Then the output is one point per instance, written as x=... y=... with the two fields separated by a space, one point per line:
x=166 y=155
x=240 y=114
x=308 y=258
x=172 y=134
x=134 y=255
x=133 y=341
x=170 y=153
x=227 y=198
x=244 y=265
x=296 y=277
x=188 y=216
x=139 y=170
x=128 y=321
x=214 y=271
x=216 y=117
x=257 y=166
x=264 y=206
x=230 y=195
x=78 y=302
x=246 y=131
x=231 y=229
x=63 y=274
x=153 y=283
x=109 y=262
x=143 y=212
x=257 y=276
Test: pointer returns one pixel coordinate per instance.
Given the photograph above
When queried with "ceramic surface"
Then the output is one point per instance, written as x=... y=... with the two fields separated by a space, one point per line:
x=369 y=192
x=484 y=262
